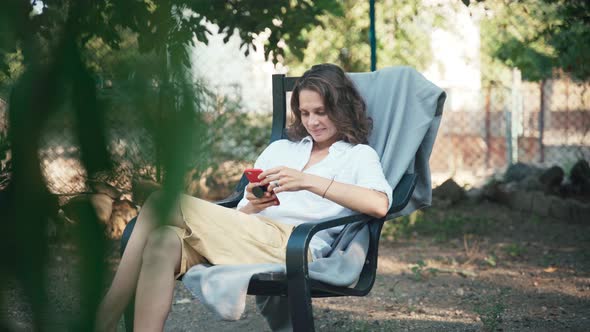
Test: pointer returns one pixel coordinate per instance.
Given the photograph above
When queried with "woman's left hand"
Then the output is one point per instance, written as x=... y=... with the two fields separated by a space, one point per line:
x=284 y=178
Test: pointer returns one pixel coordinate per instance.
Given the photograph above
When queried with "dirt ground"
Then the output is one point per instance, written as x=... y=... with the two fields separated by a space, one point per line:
x=472 y=267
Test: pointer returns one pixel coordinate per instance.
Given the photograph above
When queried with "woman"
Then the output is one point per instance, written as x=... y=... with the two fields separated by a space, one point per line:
x=324 y=170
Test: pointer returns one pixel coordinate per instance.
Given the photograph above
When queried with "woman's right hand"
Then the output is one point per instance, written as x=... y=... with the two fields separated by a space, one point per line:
x=256 y=204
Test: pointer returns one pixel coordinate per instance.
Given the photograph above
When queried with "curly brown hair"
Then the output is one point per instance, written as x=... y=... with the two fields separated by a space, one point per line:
x=343 y=104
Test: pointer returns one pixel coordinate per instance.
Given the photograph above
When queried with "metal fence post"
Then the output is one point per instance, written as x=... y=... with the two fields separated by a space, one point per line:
x=542 y=122
x=488 y=134
x=508 y=120
x=513 y=118
x=372 y=37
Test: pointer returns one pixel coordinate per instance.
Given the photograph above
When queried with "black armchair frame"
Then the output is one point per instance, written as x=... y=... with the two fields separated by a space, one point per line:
x=296 y=284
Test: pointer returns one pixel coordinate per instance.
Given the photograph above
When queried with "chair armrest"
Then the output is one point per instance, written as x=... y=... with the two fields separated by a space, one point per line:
x=402 y=193
x=298 y=286
x=231 y=200
x=298 y=243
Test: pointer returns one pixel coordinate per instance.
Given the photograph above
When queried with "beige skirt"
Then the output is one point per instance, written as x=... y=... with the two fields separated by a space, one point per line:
x=219 y=235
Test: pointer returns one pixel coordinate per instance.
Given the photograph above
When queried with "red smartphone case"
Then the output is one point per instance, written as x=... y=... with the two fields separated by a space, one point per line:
x=252 y=176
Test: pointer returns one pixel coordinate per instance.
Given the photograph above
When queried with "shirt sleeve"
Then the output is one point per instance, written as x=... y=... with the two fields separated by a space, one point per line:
x=369 y=173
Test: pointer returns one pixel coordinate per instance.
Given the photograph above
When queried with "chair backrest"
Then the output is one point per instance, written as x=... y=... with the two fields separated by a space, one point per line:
x=281 y=85
x=415 y=93
x=389 y=93
x=406 y=110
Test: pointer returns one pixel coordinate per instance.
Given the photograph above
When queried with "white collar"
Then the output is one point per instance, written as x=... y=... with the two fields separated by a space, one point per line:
x=337 y=146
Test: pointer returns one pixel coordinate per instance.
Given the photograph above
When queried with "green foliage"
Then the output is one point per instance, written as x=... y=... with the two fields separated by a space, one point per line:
x=247 y=17
x=11 y=69
x=417 y=270
x=61 y=56
x=536 y=37
x=134 y=83
x=571 y=38
x=514 y=250
x=491 y=260
x=402 y=226
x=448 y=228
x=403 y=36
x=420 y=271
x=167 y=25
x=491 y=315
x=534 y=219
x=441 y=227
x=4 y=160
x=231 y=133
x=513 y=34
x=534 y=65
x=240 y=135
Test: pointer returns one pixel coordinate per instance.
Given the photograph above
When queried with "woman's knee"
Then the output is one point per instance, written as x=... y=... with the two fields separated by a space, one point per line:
x=155 y=196
x=162 y=208
x=163 y=245
x=153 y=203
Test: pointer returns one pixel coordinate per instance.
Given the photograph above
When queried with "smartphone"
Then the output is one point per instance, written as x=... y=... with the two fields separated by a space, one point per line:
x=252 y=176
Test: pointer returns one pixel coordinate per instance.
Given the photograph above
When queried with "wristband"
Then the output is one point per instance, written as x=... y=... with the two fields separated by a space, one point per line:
x=328 y=187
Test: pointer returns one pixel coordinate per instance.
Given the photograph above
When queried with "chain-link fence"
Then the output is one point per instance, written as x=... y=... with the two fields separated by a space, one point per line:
x=545 y=124
x=471 y=144
x=130 y=143
x=229 y=140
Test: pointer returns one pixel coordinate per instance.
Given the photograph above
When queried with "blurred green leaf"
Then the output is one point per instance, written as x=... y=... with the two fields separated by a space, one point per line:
x=63 y=55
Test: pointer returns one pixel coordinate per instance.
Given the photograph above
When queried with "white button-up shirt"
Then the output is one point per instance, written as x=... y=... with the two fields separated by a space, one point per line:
x=346 y=163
